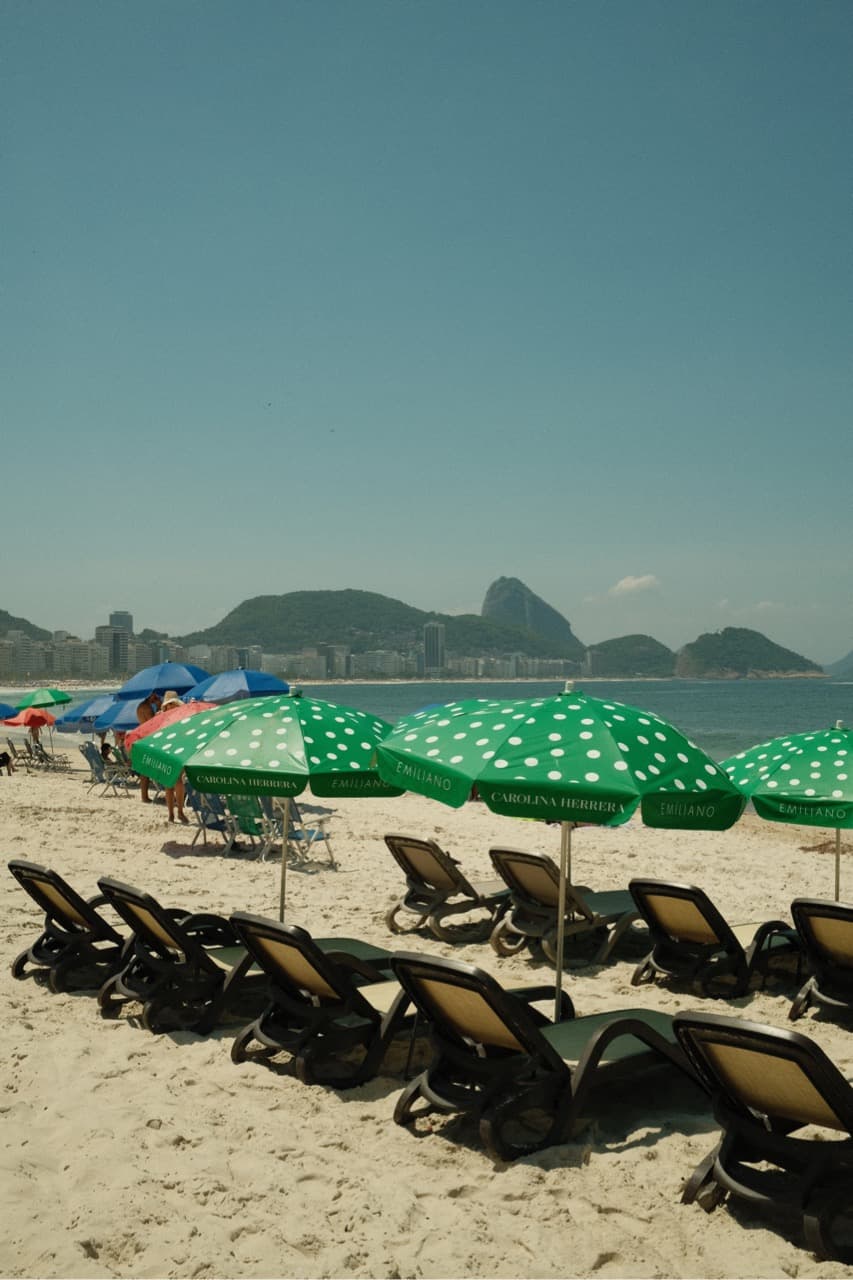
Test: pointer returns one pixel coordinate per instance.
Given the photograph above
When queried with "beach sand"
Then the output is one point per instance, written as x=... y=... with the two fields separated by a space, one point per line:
x=129 y=1154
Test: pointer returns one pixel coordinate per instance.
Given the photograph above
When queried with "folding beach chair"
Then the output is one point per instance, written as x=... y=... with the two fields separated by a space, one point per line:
x=335 y=1005
x=116 y=778
x=766 y=1086
x=250 y=820
x=525 y=1079
x=692 y=942
x=308 y=831
x=437 y=890
x=77 y=945
x=21 y=759
x=533 y=881
x=187 y=971
x=825 y=931
x=211 y=817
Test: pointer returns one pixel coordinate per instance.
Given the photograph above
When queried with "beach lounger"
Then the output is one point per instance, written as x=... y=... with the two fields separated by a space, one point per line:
x=825 y=931
x=692 y=942
x=766 y=1086
x=187 y=971
x=78 y=946
x=335 y=1005
x=526 y=1079
x=534 y=883
x=437 y=891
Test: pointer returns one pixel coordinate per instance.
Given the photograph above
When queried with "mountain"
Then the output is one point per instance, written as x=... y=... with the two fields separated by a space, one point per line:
x=509 y=601
x=737 y=651
x=629 y=656
x=10 y=623
x=361 y=620
x=843 y=669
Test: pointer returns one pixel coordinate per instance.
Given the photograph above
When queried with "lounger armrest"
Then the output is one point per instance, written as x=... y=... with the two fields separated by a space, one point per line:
x=354 y=964
x=211 y=928
x=532 y=995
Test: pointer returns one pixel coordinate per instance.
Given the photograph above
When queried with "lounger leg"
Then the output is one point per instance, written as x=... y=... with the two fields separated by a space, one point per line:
x=701 y=1185
x=802 y=1000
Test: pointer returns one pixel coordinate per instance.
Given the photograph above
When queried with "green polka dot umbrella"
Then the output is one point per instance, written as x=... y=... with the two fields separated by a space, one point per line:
x=568 y=758
x=803 y=778
x=275 y=745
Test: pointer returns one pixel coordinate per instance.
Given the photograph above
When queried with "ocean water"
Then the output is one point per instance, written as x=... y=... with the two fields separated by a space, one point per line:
x=721 y=716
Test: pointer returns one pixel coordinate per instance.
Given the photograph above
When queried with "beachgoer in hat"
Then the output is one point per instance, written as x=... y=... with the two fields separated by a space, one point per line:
x=175 y=794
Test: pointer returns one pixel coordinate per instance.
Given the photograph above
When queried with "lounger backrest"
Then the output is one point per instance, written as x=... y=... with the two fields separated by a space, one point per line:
x=826 y=929
x=467 y=1005
x=530 y=875
x=293 y=960
x=150 y=921
x=423 y=862
x=59 y=901
x=682 y=913
x=779 y=1074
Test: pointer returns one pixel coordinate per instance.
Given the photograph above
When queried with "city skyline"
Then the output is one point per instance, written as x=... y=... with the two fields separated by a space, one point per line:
x=406 y=298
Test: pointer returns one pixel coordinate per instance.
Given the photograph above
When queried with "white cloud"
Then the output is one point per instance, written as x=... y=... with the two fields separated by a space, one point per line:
x=629 y=585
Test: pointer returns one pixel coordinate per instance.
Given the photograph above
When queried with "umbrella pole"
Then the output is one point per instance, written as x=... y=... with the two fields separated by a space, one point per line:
x=565 y=875
x=837 y=864
x=285 y=827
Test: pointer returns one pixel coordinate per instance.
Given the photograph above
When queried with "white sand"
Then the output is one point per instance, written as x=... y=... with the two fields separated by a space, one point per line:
x=128 y=1154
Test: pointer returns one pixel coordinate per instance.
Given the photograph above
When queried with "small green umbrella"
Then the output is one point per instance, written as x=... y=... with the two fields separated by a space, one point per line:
x=805 y=778
x=275 y=745
x=44 y=698
x=569 y=758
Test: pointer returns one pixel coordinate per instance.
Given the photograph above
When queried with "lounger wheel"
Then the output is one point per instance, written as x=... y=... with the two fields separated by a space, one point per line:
x=241 y=1042
x=828 y=1215
x=109 y=1002
x=511 y=1131
x=701 y=1186
x=19 y=965
x=394 y=926
x=577 y=947
x=506 y=941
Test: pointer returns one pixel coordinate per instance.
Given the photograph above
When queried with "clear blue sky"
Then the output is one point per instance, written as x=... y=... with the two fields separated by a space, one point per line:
x=406 y=296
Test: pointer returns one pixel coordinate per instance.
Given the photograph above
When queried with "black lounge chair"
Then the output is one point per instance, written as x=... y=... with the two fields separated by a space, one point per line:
x=766 y=1084
x=335 y=1005
x=825 y=931
x=187 y=971
x=692 y=942
x=77 y=946
x=525 y=1078
x=437 y=890
x=534 y=883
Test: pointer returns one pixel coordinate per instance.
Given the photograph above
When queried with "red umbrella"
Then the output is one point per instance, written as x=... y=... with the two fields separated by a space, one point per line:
x=31 y=716
x=172 y=714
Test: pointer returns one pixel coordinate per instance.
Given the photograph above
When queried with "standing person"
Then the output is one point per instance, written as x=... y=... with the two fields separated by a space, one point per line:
x=175 y=794
x=145 y=711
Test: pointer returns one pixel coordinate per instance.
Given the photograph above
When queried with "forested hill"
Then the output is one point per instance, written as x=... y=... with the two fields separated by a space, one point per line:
x=737 y=651
x=361 y=620
x=10 y=623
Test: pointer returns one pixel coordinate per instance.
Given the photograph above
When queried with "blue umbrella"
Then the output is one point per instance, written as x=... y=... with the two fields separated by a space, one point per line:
x=6 y=711
x=81 y=719
x=228 y=686
x=120 y=717
x=166 y=675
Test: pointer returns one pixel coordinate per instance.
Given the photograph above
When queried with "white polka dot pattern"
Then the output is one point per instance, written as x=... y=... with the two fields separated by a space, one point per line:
x=272 y=745
x=802 y=777
x=569 y=756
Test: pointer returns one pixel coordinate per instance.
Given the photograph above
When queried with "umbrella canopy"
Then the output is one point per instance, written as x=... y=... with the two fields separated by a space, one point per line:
x=568 y=758
x=805 y=778
x=6 y=710
x=81 y=719
x=44 y=698
x=166 y=675
x=228 y=686
x=119 y=716
x=171 y=715
x=275 y=745
x=32 y=717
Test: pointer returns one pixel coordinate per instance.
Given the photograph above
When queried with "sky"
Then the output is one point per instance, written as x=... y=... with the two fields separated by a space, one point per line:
x=407 y=295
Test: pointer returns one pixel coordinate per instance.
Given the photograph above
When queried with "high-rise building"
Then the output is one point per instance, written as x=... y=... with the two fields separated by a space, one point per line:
x=122 y=620
x=434 y=660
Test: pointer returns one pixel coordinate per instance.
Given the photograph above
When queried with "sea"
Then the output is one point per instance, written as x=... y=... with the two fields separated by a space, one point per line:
x=721 y=716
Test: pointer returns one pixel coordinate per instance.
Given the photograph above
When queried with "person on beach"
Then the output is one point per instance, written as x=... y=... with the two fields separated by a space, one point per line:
x=175 y=794
x=6 y=762
x=145 y=711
